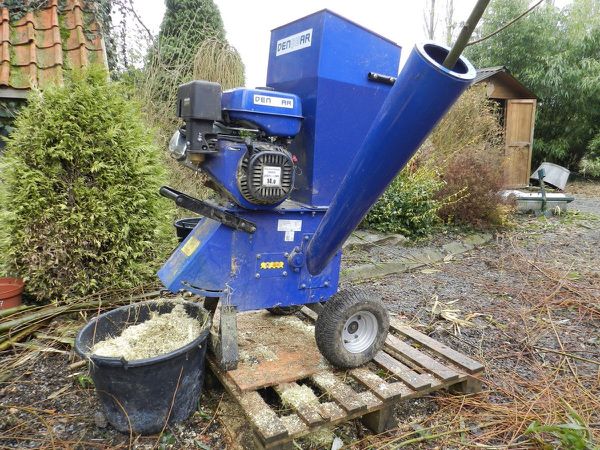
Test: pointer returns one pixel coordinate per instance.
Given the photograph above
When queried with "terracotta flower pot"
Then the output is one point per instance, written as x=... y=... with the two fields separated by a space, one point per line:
x=10 y=292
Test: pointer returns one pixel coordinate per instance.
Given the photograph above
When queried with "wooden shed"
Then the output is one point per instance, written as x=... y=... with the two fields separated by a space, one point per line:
x=518 y=105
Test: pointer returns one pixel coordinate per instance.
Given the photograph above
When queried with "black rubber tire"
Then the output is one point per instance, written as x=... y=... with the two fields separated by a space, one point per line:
x=331 y=321
x=284 y=310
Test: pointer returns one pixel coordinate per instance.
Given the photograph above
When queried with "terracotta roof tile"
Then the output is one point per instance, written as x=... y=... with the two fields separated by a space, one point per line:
x=47 y=38
x=51 y=75
x=22 y=55
x=21 y=34
x=5 y=52
x=36 y=48
x=75 y=39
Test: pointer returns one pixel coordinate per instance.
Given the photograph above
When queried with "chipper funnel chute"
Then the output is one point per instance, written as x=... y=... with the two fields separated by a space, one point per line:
x=422 y=94
x=298 y=164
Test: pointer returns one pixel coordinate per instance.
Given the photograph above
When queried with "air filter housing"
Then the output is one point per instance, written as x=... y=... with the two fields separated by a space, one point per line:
x=266 y=174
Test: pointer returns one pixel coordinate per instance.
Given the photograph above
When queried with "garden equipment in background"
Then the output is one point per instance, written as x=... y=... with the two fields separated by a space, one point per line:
x=537 y=199
x=554 y=175
x=299 y=163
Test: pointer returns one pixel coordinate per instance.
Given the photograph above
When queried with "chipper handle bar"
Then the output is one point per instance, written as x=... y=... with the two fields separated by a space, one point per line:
x=208 y=210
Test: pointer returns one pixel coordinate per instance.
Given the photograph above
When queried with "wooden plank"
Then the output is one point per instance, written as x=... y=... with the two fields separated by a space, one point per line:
x=463 y=361
x=423 y=360
x=380 y=420
x=410 y=377
x=338 y=391
x=274 y=350
x=265 y=421
x=370 y=399
x=331 y=411
x=309 y=313
x=294 y=424
x=286 y=366
x=308 y=412
x=381 y=388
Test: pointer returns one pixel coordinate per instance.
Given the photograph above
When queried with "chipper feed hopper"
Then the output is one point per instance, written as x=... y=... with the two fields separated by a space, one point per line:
x=297 y=165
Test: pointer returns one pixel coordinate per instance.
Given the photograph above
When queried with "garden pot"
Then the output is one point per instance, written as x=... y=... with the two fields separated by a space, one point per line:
x=10 y=292
x=183 y=227
x=143 y=395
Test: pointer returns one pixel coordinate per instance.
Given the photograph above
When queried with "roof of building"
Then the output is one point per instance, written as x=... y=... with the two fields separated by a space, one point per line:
x=487 y=72
x=37 y=47
x=502 y=74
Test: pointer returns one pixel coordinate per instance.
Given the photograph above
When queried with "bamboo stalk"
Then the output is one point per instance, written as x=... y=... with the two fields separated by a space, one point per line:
x=78 y=364
x=42 y=314
x=51 y=311
x=13 y=310
x=21 y=335
x=465 y=34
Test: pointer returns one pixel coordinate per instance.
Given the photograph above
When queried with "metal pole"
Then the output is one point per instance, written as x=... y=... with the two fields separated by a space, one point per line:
x=465 y=34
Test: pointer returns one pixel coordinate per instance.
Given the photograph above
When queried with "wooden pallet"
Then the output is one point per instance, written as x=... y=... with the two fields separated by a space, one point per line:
x=411 y=365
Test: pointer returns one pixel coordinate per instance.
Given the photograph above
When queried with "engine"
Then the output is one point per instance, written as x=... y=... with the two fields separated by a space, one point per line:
x=266 y=174
x=240 y=138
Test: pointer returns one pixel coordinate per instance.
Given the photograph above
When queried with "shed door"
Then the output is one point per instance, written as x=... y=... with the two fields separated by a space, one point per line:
x=520 y=121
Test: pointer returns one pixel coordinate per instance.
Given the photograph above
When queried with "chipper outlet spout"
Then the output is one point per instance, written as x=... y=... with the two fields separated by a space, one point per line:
x=422 y=94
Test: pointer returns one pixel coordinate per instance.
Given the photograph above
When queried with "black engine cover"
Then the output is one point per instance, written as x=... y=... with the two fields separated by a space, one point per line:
x=266 y=174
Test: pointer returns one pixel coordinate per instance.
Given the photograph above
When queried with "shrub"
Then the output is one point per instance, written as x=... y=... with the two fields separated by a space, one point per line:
x=471 y=123
x=470 y=193
x=79 y=209
x=467 y=147
x=590 y=164
x=409 y=205
x=185 y=25
x=590 y=167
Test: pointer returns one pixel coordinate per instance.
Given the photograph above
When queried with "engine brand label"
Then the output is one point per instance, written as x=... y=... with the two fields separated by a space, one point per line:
x=294 y=42
x=271 y=176
x=269 y=100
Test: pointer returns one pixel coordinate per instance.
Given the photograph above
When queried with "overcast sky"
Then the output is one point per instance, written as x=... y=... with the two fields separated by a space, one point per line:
x=248 y=23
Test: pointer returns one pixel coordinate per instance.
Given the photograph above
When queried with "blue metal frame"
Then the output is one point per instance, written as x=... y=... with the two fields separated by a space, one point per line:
x=253 y=270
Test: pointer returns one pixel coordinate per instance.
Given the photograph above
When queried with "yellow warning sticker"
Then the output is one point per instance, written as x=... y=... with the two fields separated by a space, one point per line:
x=272 y=265
x=190 y=246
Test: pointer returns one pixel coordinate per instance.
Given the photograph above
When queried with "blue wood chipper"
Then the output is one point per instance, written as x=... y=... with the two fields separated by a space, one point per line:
x=298 y=164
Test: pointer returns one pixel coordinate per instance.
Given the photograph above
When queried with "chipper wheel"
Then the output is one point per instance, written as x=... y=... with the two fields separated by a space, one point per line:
x=351 y=328
x=284 y=310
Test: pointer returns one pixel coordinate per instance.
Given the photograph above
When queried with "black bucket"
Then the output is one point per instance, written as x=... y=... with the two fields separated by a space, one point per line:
x=183 y=227
x=142 y=395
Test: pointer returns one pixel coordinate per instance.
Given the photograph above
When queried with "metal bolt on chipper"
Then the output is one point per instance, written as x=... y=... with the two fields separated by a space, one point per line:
x=298 y=165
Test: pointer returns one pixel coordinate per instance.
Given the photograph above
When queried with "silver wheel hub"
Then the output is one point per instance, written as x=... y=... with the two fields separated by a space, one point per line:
x=359 y=332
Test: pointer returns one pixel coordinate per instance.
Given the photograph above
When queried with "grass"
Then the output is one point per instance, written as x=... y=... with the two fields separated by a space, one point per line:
x=575 y=434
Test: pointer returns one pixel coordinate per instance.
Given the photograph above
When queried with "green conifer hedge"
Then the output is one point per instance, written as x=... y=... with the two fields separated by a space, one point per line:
x=79 y=209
